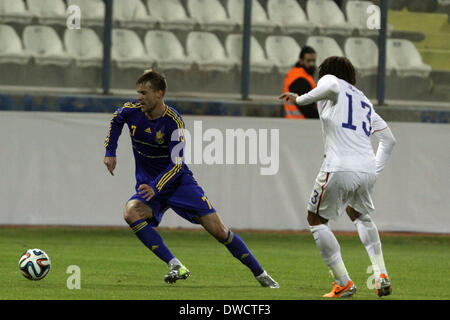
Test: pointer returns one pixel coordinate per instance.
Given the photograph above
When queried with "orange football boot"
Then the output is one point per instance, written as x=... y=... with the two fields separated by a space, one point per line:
x=341 y=292
x=383 y=285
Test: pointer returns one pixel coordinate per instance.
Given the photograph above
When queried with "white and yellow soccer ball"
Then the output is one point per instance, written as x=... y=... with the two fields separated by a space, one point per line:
x=34 y=264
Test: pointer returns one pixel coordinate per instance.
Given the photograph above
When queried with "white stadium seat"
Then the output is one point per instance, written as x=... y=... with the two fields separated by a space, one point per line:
x=258 y=60
x=403 y=56
x=14 y=11
x=360 y=15
x=363 y=53
x=45 y=46
x=205 y=49
x=132 y=14
x=128 y=50
x=92 y=11
x=11 y=49
x=260 y=21
x=283 y=51
x=85 y=46
x=329 y=18
x=325 y=47
x=48 y=11
x=164 y=49
x=211 y=15
x=289 y=15
x=171 y=14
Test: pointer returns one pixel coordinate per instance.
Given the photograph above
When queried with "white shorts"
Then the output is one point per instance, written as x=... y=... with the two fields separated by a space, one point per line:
x=334 y=191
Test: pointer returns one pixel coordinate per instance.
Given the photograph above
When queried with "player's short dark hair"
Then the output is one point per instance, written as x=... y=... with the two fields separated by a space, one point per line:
x=306 y=50
x=157 y=80
x=340 y=67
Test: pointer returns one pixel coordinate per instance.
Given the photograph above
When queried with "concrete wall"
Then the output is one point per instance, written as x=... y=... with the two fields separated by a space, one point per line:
x=52 y=172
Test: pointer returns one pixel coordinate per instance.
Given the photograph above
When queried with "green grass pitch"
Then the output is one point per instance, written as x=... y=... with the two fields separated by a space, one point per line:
x=115 y=265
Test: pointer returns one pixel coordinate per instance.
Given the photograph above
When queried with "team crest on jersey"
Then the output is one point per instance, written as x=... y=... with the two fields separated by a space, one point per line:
x=148 y=130
x=159 y=137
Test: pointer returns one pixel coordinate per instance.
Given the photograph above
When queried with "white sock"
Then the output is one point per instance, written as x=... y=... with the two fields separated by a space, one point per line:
x=331 y=252
x=262 y=275
x=368 y=233
x=175 y=261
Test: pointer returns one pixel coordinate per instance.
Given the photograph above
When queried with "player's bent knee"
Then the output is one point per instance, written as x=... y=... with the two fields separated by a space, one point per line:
x=214 y=225
x=222 y=234
x=136 y=210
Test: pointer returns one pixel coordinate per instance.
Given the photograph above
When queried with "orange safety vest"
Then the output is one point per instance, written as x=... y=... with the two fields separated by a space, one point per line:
x=292 y=111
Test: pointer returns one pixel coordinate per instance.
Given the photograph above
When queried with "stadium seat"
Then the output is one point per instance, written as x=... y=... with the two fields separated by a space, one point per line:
x=289 y=15
x=165 y=50
x=258 y=60
x=48 y=11
x=325 y=47
x=128 y=50
x=359 y=15
x=85 y=46
x=92 y=11
x=132 y=14
x=363 y=53
x=260 y=21
x=403 y=56
x=211 y=15
x=45 y=46
x=205 y=49
x=328 y=17
x=11 y=49
x=14 y=11
x=282 y=51
x=171 y=14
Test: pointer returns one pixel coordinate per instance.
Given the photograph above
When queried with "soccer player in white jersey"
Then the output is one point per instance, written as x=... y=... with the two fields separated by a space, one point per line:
x=349 y=169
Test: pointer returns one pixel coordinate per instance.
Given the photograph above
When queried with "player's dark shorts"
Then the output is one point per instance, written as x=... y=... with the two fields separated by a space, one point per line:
x=185 y=197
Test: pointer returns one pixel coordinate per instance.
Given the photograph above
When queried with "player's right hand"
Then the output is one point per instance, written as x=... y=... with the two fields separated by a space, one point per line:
x=110 y=163
x=289 y=97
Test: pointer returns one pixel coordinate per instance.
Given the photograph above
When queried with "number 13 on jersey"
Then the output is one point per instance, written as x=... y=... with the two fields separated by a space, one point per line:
x=349 y=124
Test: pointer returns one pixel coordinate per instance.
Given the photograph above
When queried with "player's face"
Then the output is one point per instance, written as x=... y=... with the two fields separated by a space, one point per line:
x=148 y=97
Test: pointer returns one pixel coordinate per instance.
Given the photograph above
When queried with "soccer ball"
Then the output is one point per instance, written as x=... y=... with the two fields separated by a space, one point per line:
x=34 y=264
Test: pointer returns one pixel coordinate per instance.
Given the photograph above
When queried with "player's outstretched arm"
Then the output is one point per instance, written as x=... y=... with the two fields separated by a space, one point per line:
x=110 y=163
x=327 y=89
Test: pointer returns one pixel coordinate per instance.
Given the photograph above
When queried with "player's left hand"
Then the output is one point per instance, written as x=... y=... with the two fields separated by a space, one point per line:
x=146 y=191
x=289 y=97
